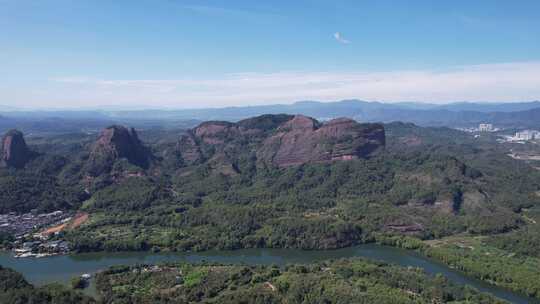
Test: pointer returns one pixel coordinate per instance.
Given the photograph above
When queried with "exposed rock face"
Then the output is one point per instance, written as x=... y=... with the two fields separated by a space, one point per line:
x=117 y=142
x=189 y=149
x=15 y=152
x=215 y=132
x=283 y=140
x=218 y=137
x=303 y=140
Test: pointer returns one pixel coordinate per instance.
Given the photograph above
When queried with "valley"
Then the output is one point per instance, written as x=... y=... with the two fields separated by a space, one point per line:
x=285 y=182
x=269 y=152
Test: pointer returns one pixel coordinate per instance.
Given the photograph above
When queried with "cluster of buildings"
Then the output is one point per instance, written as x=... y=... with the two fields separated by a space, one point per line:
x=20 y=225
x=30 y=243
x=40 y=249
x=486 y=127
x=483 y=127
x=527 y=135
x=523 y=136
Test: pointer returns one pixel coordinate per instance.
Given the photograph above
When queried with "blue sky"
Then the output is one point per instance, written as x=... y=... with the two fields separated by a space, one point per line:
x=181 y=54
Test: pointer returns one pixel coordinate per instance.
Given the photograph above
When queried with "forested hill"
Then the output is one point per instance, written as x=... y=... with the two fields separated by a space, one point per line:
x=273 y=181
x=63 y=172
x=287 y=181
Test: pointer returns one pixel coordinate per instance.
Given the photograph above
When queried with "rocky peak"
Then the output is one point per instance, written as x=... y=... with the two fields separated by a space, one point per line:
x=15 y=152
x=283 y=140
x=117 y=142
x=215 y=132
x=266 y=122
x=188 y=148
x=300 y=123
x=210 y=137
x=303 y=140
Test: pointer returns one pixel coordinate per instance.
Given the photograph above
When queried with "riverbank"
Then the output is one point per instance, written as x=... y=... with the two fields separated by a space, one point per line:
x=490 y=264
x=473 y=257
x=350 y=280
x=63 y=268
x=466 y=254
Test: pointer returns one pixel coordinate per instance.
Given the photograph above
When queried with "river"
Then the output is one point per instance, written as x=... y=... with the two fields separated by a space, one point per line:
x=63 y=268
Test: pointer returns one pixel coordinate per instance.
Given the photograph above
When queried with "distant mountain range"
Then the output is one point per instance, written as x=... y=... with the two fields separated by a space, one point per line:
x=472 y=106
x=461 y=114
x=420 y=113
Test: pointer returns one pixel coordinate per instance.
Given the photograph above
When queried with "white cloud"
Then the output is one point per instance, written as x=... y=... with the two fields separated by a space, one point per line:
x=340 y=38
x=488 y=82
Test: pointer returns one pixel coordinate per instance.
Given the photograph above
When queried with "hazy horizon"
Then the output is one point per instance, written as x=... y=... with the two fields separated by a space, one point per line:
x=135 y=107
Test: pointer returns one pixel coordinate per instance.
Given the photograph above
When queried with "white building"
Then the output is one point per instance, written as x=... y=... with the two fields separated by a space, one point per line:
x=485 y=127
x=527 y=135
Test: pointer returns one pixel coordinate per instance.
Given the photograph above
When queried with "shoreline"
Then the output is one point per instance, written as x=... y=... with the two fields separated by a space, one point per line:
x=95 y=262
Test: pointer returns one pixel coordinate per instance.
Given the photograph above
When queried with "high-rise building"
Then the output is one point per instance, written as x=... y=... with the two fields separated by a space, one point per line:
x=485 y=127
x=527 y=135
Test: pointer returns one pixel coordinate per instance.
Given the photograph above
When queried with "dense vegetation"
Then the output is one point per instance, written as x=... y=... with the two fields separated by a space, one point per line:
x=341 y=281
x=524 y=242
x=430 y=183
x=429 y=190
x=511 y=259
x=474 y=257
x=24 y=191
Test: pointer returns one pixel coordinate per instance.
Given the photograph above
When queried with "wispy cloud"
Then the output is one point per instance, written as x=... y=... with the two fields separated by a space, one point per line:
x=488 y=82
x=340 y=38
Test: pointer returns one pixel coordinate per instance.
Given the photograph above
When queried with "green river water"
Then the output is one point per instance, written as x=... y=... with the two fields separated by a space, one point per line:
x=63 y=268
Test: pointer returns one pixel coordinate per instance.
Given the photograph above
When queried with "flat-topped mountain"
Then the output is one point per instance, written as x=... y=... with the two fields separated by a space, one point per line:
x=15 y=152
x=303 y=140
x=280 y=181
x=283 y=140
x=117 y=142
